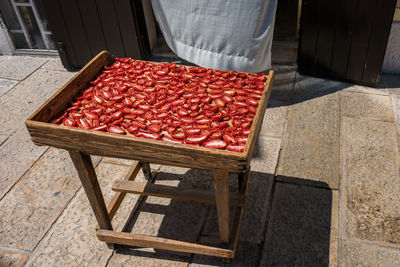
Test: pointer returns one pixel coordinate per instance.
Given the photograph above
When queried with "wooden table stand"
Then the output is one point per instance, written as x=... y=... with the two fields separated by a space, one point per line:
x=104 y=214
x=81 y=143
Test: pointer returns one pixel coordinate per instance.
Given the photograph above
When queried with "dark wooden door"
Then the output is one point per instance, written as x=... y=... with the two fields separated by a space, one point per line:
x=344 y=39
x=82 y=29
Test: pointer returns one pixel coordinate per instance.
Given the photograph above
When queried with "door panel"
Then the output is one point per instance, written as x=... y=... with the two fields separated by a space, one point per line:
x=82 y=29
x=344 y=39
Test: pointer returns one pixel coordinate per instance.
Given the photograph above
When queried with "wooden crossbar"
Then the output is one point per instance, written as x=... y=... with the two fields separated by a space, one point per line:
x=157 y=190
x=140 y=240
x=118 y=197
x=127 y=185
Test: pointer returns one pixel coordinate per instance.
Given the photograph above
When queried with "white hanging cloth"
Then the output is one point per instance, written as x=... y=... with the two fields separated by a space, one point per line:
x=221 y=34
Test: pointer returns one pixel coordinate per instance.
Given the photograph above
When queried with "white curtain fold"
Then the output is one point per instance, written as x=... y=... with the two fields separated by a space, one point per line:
x=221 y=34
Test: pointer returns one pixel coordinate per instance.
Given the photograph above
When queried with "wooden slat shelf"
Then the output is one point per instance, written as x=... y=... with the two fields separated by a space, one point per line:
x=165 y=191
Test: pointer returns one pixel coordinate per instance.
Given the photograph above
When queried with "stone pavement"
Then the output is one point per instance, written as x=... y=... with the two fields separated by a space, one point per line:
x=324 y=189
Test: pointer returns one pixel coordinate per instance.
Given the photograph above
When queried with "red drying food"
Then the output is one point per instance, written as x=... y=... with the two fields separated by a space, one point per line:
x=176 y=104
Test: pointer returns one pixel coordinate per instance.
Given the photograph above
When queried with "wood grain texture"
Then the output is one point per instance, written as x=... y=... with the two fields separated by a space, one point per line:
x=145 y=150
x=109 y=24
x=76 y=30
x=58 y=28
x=87 y=174
x=141 y=149
x=58 y=102
x=237 y=218
x=384 y=12
x=221 y=187
x=146 y=170
x=157 y=190
x=119 y=196
x=258 y=119
x=344 y=39
x=139 y=240
x=92 y=23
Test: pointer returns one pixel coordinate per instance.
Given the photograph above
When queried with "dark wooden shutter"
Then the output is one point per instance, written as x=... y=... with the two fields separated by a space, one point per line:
x=344 y=39
x=81 y=29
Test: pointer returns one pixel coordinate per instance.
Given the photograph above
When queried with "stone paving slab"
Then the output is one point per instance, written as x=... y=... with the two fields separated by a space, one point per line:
x=12 y=258
x=307 y=88
x=266 y=154
x=175 y=219
x=359 y=254
x=311 y=144
x=396 y=110
x=18 y=154
x=375 y=107
x=366 y=90
x=130 y=257
x=72 y=240
x=255 y=213
x=370 y=197
x=302 y=230
x=391 y=83
x=6 y=85
x=247 y=254
x=27 y=96
x=3 y=138
x=31 y=207
x=54 y=64
x=274 y=119
x=283 y=87
x=19 y=67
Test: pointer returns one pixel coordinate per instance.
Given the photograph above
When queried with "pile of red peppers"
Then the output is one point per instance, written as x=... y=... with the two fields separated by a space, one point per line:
x=177 y=104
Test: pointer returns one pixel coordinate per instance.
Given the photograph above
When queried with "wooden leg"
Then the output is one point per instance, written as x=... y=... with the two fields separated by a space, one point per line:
x=243 y=178
x=146 y=170
x=221 y=186
x=87 y=174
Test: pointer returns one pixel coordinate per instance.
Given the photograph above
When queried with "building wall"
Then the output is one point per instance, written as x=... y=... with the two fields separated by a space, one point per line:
x=391 y=63
x=6 y=47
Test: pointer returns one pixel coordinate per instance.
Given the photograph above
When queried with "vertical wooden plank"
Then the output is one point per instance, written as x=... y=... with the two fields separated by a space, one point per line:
x=326 y=35
x=343 y=27
x=87 y=174
x=384 y=12
x=360 y=39
x=59 y=29
x=76 y=30
x=308 y=37
x=109 y=24
x=119 y=196
x=127 y=25
x=221 y=186
x=243 y=179
x=146 y=170
x=92 y=25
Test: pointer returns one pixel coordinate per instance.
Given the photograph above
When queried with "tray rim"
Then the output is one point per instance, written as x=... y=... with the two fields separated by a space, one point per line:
x=31 y=122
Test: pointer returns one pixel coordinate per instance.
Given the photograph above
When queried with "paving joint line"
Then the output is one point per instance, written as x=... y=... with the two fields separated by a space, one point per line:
x=22 y=176
x=61 y=213
x=20 y=81
x=8 y=136
x=274 y=181
x=109 y=258
x=367 y=93
x=39 y=244
x=396 y=120
x=340 y=189
x=372 y=243
x=18 y=250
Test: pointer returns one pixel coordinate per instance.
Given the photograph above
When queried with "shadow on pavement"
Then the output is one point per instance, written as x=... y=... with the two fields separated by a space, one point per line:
x=283 y=223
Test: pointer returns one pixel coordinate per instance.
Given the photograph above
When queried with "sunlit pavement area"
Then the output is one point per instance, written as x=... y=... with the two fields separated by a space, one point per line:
x=324 y=188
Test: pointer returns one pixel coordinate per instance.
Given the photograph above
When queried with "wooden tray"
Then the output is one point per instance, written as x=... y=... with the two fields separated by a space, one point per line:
x=145 y=150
